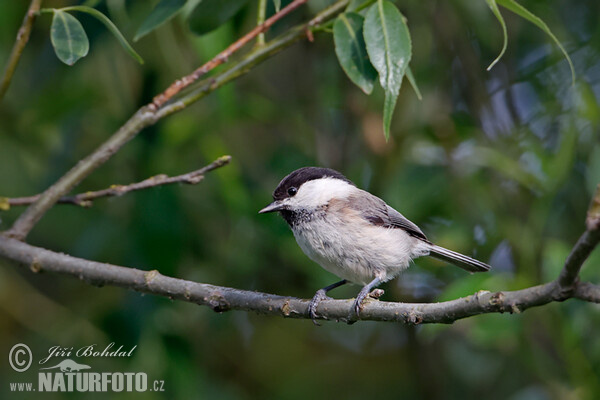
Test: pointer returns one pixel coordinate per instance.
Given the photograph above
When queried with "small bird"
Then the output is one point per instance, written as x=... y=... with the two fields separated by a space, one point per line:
x=352 y=233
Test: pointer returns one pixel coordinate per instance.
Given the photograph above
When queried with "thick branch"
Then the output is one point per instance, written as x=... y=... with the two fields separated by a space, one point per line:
x=26 y=221
x=148 y=115
x=86 y=199
x=20 y=42
x=223 y=298
x=587 y=291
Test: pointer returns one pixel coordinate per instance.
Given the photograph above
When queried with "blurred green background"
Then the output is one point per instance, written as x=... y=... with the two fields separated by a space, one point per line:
x=500 y=165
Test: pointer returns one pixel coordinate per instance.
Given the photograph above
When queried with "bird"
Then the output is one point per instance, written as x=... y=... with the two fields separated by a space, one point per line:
x=352 y=233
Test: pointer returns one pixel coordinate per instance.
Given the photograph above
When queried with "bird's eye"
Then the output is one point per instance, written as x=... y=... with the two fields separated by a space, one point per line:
x=292 y=191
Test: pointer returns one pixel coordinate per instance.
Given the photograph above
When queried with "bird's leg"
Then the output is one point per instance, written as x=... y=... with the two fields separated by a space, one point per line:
x=320 y=296
x=363 y=294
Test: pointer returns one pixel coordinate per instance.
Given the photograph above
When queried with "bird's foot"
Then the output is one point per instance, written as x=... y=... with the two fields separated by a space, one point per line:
x=314 y=303
x=360 y=298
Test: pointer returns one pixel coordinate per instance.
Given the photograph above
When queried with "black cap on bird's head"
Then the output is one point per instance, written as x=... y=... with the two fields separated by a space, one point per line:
x=288 y=187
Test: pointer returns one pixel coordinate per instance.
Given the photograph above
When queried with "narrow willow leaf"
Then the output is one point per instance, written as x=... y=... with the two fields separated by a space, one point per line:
x=68 y=38
x=388 y=110
x=494 y=7
x=164 y=11
x=518 y=9
x=351 y=52
x=277 y=4
x=210 y=14
x=389 y=47
x=413 y=83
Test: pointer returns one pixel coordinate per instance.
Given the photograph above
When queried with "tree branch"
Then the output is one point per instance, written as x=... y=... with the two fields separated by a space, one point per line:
x=223 y=56
x=149 y=115
x=584 y=246
x=20 y=42
x=86 y=199
x=222 y=299
x=587 y=291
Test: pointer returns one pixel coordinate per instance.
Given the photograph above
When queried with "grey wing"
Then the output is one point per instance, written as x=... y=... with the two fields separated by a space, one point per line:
x=398 y=220
x=377 y=212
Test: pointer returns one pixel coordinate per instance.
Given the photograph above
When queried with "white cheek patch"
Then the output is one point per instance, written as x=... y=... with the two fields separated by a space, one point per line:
x=318 y=192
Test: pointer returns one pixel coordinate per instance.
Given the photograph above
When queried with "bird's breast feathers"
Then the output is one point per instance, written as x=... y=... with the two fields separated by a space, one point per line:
x=350 y=247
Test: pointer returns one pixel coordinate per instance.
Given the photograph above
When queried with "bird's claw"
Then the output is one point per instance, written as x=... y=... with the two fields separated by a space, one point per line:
x=314 y=303
x=357 y=306
x=358 y=303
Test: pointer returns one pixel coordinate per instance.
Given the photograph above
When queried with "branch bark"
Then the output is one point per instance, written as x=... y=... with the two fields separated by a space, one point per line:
x=223 y=56
x=20 y=42
x=584 y=246
x=86 y=199
x=149 y=115
x=222 y=299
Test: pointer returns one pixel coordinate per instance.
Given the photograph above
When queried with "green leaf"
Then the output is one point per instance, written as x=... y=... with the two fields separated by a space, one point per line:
x=358 y=5
x=518 y=9
x=210 y=14
x=389 y=47
x=111 y=27
x=413 y=83
x=277 y=4
x=164 y=11
x=388 y=111
x=68 y=38
x=494 y=7
x=351 y=52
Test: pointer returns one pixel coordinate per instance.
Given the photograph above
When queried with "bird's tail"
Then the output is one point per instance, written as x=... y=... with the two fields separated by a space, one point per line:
x=460 y=260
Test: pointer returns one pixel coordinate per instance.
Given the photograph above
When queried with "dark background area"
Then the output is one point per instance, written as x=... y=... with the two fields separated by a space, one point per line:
x=499 y=165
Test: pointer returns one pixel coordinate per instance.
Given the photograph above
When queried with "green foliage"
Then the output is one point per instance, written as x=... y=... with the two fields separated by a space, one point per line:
x=351 y=51
x=494 y=7
x=499 y=165
x=68 y=38
x=413 y=83
x=524 y=13
x=110 y=26
x=210 y=14
x=389 y=46
x=161 y=13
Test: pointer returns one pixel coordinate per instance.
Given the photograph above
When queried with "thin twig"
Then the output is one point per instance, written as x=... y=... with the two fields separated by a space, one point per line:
x=222 y=299
x=146 y=116
x=260 y=19
x=86 y=199
x=222 y=57
x=27 y=220
x=20 y=42
x=584 y=246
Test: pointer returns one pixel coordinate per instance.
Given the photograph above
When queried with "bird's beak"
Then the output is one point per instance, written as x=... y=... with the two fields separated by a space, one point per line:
x=274 y=206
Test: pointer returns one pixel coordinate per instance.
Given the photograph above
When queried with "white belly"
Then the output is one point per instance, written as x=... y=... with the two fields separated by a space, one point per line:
x=359 y=255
